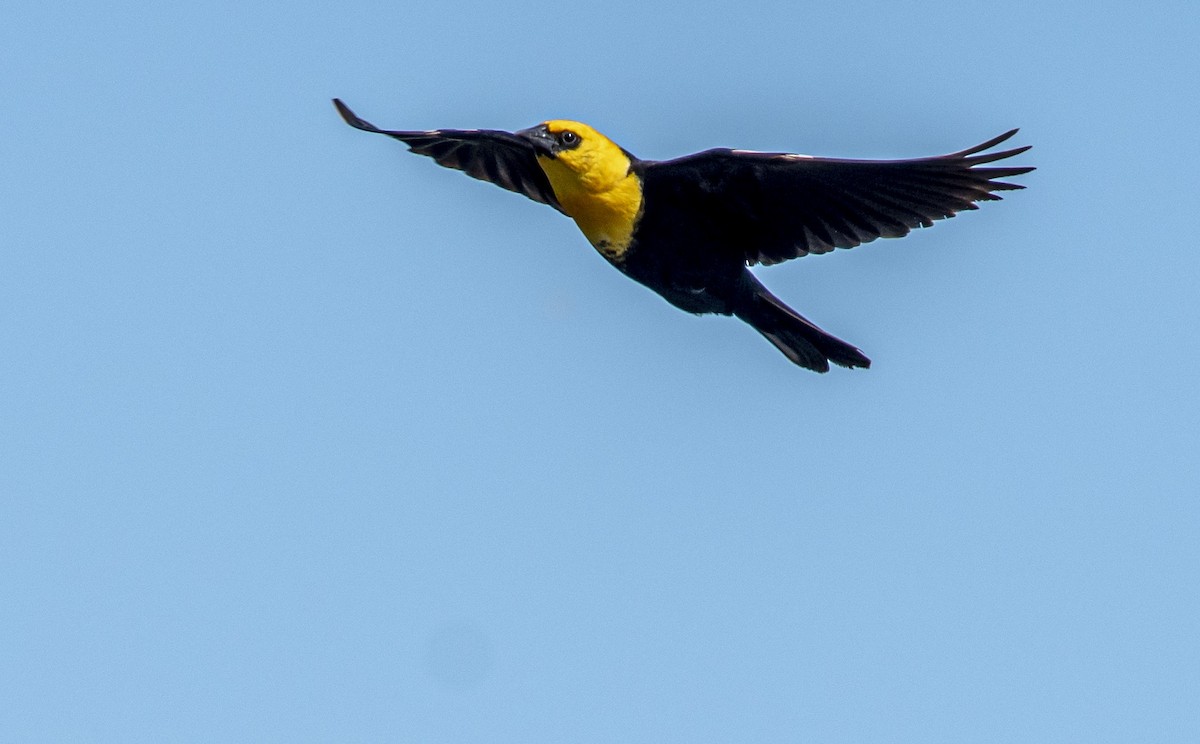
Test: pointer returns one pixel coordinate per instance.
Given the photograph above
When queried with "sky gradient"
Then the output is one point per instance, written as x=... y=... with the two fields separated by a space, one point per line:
x=303 y=438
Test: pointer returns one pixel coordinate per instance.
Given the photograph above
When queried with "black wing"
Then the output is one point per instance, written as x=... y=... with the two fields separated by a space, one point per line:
x=777 y=206
x=499 y=157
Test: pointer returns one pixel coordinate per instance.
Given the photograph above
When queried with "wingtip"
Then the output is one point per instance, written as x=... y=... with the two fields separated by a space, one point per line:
x=990 y=144
x=352 y=118
x=1006 y=136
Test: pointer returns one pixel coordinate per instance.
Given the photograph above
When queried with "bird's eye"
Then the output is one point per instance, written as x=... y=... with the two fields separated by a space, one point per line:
x=568 y=138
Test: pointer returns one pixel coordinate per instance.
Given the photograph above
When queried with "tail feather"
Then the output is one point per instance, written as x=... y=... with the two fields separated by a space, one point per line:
x=797 y=337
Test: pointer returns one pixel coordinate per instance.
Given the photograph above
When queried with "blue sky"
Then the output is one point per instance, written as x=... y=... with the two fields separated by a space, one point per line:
x=306 y=439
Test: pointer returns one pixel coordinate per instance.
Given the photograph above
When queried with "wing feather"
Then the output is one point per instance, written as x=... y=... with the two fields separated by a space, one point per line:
x=494 y=156
x=777 y=206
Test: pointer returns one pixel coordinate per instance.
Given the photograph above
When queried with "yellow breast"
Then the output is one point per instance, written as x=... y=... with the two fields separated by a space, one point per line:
x=594 y=182
x=606 y=217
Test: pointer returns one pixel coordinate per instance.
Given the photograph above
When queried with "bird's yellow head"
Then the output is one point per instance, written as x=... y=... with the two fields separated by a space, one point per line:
x=576 y=157
x=592 y=178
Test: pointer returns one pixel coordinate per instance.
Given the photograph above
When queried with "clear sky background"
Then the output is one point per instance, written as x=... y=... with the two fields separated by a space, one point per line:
x=305 y=439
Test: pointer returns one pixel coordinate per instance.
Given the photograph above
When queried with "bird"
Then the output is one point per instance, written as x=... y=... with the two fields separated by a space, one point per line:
x=690 y=228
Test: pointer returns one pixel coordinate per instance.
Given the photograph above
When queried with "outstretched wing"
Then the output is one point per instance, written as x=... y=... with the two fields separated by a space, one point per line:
x=499 y=157
x=776 y=206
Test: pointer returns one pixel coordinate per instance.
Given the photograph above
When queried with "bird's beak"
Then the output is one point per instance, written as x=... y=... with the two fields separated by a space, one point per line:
x=541 y=139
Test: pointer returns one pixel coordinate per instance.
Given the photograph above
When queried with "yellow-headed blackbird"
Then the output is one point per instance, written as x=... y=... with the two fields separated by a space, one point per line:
x=689 y=228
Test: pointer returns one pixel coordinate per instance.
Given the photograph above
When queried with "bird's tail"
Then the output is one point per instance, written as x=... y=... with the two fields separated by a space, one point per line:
x=797 y=337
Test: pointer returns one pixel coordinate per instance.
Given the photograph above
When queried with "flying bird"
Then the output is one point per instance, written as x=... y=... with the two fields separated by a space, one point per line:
x=691 y=227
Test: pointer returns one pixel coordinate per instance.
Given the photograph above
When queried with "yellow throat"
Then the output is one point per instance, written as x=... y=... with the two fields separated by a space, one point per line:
x=596 y=186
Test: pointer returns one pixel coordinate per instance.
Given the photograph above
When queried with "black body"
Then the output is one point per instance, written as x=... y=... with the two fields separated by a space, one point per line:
x=707 y=217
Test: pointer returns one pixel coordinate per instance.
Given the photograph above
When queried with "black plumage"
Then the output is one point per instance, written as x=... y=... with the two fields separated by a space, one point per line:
x=703 y=219
x=490 y=155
